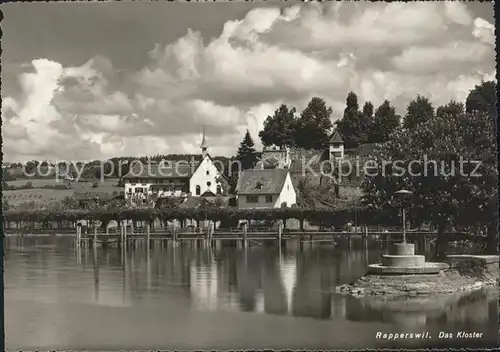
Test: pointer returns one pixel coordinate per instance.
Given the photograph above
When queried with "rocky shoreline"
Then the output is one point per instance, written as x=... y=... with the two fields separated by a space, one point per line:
x=465 y=273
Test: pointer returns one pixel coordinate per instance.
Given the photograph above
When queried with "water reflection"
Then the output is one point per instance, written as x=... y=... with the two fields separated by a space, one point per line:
x=283 y=282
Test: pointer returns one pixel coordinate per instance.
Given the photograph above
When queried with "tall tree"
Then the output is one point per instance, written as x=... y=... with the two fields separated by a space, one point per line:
x=355 y=125
x=418 y=111
x=368 y=110
x=385 y=122
x=279 y=129
x=483 y=98
x=447 y=188
x=452 y=108
x=314 y=125
x=247 y=155
x=31 y=167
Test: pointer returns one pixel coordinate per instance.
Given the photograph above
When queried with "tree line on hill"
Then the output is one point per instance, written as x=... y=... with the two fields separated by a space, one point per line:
x=313 y=127
x=448 y=134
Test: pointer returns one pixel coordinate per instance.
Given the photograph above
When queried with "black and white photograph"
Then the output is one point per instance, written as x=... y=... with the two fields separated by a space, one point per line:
x=243 y=175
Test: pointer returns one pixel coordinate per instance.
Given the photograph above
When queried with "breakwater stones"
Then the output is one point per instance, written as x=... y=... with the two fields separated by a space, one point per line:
x=348 y=289
x=460 y=273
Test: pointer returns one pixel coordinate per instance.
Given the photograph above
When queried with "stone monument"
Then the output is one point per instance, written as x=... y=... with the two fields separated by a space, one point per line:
x=401 y=260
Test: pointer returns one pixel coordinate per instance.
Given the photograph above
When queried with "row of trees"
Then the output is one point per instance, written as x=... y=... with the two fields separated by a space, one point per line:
x=313 y=127
x=309 y=131
x=326 y=217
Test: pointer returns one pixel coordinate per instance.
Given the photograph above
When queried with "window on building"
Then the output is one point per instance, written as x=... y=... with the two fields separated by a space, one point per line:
x=219 y=189
x=252 y=199
x=208 y=172
x=269 y=199
x=198 y=190
x=209 y=184
x=139 y=190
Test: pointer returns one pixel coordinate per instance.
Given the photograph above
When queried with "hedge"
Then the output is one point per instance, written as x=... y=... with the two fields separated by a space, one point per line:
x=329 y=217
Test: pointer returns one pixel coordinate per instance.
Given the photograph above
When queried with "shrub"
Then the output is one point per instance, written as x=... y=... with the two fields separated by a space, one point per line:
x=227 y=215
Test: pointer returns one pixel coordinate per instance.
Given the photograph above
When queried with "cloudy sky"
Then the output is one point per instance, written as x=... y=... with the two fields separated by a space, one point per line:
x=96 y=80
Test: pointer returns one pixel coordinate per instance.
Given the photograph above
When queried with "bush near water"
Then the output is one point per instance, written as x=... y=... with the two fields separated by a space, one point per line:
x=325 y=217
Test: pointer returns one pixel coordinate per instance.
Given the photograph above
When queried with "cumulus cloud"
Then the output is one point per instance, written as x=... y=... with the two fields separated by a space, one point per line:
x=484 y=31
x=230 y=83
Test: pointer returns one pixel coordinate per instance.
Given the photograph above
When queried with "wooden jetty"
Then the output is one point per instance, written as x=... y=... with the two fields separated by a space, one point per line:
x=245 y=235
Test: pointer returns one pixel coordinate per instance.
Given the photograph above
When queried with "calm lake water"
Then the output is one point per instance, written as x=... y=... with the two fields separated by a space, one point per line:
x=58 y=297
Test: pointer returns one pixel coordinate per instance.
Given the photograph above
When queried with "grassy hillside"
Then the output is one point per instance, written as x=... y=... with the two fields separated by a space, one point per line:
x=41 y=195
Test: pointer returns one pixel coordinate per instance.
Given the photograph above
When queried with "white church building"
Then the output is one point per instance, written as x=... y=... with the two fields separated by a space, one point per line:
x=174 y=178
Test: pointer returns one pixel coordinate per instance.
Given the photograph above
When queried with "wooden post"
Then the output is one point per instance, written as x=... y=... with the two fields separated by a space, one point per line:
x=280 y=232
x=125 y=233
x=174 y=234
x=78 y=235
x=148 y=233
x=207 y=235
x=365 y=244
x=245 y=243
x=212 y=229
x=122 y=234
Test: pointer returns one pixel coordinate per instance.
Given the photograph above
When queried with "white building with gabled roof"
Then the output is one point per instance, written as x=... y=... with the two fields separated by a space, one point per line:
x=175 y=178
x=267 y=188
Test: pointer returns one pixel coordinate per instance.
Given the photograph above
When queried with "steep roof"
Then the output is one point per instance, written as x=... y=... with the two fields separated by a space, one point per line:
x=160 y=171
x=336 y=138
x=256 y=181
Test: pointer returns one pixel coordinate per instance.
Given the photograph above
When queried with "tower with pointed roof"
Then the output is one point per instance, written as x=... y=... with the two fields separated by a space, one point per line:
x=336 y=147
x=204 y=144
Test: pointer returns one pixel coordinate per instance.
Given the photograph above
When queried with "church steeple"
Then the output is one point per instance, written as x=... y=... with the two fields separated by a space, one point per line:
x=204 y=144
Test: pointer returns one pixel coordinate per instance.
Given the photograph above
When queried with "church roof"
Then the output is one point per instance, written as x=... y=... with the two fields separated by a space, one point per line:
x=257 y=181
x=336 y=138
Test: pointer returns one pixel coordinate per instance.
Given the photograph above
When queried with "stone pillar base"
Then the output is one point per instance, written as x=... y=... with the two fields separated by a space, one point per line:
x=403 y=261
x=402 y=249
